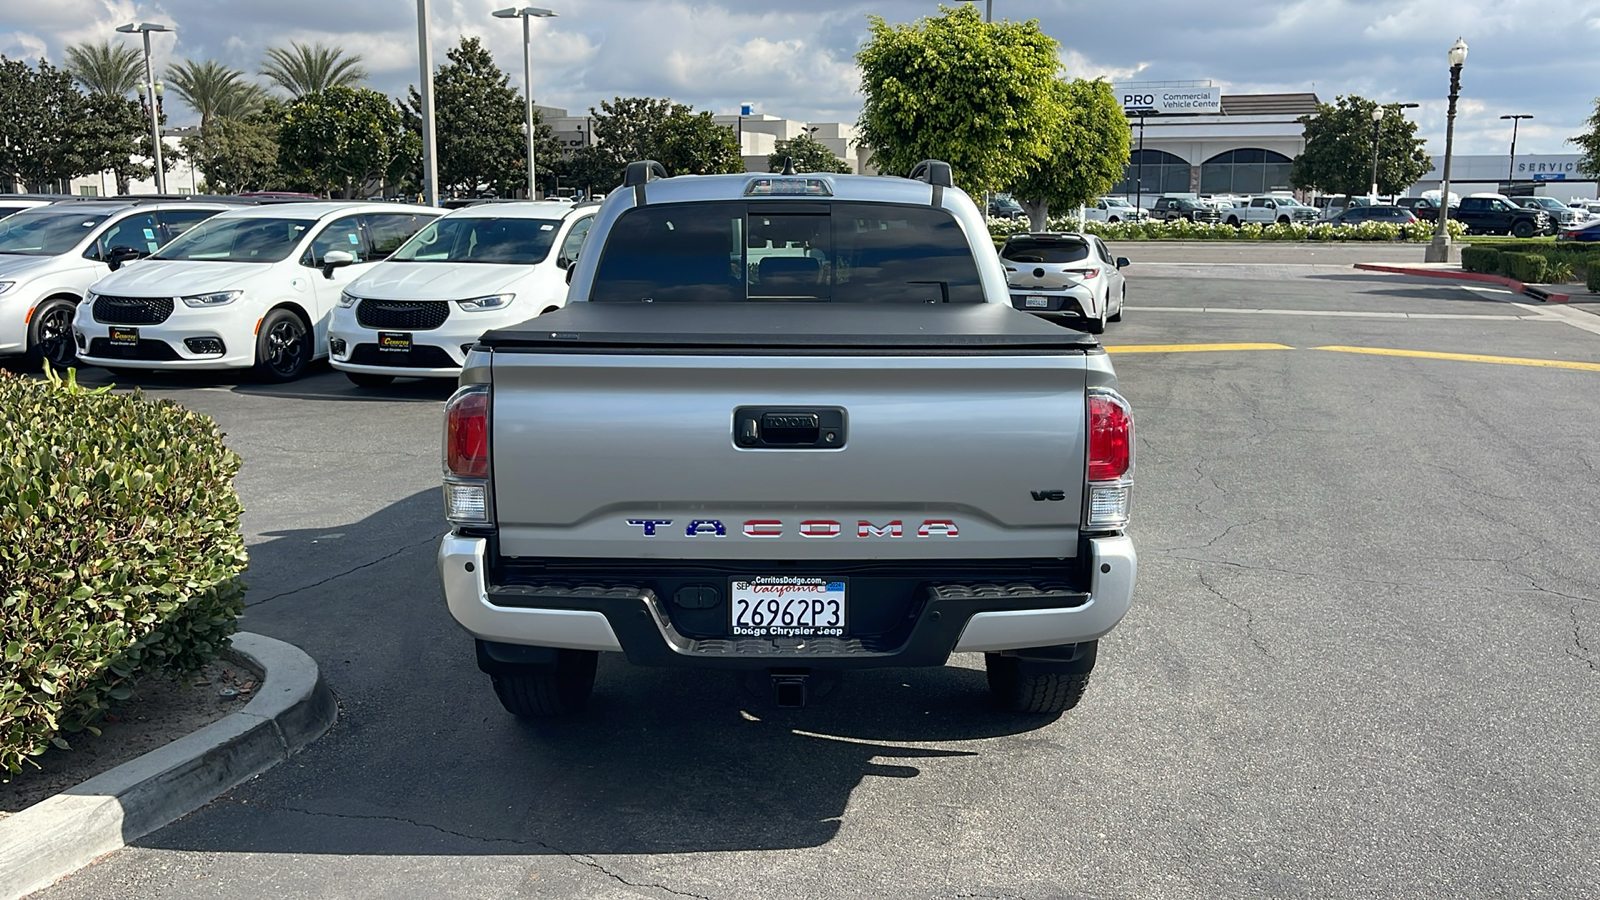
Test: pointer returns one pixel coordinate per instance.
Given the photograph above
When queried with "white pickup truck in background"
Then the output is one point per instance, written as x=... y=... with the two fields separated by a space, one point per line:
x=1270 y=209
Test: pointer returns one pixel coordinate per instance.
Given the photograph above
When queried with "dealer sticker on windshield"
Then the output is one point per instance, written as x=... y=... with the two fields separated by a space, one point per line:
x=788 y=606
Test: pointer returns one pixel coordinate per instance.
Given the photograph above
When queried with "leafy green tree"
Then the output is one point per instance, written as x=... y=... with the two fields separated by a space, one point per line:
x=118 y=134
x=628 y=127
x=978 y=96
x=106 y=68
x=340 y=139
x=690 y=143
x=1338 y=154
x=235 y=155
x=44 y=125
x=214 y=90
x=479 y=122
x=808 y=154
x=1589 y=143
x=1088 y=152
x=593 y=168
x=304 y=69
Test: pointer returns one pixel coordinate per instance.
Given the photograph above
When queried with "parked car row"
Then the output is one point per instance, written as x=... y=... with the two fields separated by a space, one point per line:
x=382 y=289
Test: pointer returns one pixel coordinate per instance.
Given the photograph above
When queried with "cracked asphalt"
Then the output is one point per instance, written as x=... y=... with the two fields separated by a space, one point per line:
x=1361 y=662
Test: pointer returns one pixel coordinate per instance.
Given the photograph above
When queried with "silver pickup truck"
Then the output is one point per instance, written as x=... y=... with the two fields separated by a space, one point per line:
x=790 y=424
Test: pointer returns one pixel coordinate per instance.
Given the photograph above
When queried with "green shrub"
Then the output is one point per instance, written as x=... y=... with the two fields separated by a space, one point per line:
x=1594 y=279
x=1528 y=268
x=1480 y=259
x=120 y=552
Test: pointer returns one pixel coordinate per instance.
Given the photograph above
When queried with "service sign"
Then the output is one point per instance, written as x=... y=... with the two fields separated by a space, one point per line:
x=1170 y=101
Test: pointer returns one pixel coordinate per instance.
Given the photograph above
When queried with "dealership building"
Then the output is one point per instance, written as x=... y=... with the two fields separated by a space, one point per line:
x=1188 y=136
x=1539 y=174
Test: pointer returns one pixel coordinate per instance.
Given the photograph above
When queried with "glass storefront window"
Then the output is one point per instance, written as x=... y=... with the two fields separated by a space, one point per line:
x=1162 y=173
x=1248 y=170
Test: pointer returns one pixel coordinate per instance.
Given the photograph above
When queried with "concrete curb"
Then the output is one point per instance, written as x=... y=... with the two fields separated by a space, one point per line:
x=58 y=836
x=1534 y=291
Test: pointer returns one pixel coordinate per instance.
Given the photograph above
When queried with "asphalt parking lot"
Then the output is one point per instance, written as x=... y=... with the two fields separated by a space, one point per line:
x=1361 y=662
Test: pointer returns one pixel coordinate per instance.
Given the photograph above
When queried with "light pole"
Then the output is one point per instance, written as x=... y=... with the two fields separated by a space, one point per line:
x=1377 y=126
x=145 y=28
x=526 y=13
x=430 y=145
x=1138 y=188
x=1439 y=249
x=1511 y=167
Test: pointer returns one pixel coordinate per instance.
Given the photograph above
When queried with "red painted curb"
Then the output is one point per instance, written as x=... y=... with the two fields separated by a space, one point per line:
x=1453 y=274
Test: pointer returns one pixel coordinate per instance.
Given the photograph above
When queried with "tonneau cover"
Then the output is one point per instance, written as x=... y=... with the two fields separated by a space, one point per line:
x=971 y=327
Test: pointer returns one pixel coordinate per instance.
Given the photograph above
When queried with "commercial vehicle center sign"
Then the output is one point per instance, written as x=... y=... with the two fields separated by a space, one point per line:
x=1170 y=101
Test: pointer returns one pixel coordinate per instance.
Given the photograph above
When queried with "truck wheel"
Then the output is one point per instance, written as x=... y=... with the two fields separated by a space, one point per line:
x=1522 y=229
x=1023 y=686
x=369 y=380
x=540 y=692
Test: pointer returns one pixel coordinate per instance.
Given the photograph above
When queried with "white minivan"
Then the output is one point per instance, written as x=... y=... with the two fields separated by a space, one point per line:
x=248 y=288
x=50 y=254
x=476 y=269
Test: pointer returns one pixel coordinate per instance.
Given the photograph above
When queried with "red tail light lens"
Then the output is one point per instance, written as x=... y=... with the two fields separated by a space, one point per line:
x=1086 y=273
x=466 y=441
x=1110 y=436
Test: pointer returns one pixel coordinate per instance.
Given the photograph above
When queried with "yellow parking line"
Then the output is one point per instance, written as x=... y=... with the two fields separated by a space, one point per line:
x=1191 y=348
x=1470 y=357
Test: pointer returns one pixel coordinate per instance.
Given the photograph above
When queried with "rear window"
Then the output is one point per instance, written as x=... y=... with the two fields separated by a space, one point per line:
x=777 y=251
x=1034 y=250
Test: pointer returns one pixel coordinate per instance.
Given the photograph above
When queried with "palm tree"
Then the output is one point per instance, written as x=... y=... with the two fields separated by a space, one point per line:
x=214 y=91
x=106 y=68
x=305 y=69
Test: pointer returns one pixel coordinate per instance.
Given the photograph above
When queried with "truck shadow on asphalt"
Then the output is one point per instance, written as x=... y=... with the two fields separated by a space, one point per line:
x=423 y=760
x=319 y=383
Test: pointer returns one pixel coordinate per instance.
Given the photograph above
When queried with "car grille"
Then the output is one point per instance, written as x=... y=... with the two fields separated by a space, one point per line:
x=420 y=356
x=132 y=310
x=410 y=315
x=146 y=350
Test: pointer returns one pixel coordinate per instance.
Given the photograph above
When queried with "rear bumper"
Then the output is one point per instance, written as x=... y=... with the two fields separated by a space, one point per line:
x=620 y=617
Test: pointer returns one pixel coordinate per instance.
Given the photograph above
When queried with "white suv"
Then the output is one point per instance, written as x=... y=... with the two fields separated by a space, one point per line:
x=251 y=287
x=49 y=255
x=476 y=269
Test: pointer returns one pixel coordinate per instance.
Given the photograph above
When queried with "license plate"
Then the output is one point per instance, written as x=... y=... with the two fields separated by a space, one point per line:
x=394 y=341
x=787 y=606
x=124 y=337
x=1036 y=302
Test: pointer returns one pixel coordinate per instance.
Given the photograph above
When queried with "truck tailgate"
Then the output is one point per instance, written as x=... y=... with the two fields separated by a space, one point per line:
x=960 y=434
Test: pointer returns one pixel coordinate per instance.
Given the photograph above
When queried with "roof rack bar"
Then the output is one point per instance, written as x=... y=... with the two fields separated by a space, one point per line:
x=934 y=172
x=641 y=173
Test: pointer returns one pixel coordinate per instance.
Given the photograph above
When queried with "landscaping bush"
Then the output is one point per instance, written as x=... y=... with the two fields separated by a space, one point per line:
x=1594 y=279
x=1528 y=268
x=1184 y=230
x=120 y=552
x=1480 y=259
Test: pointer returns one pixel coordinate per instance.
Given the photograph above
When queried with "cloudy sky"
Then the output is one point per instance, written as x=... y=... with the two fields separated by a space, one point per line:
x=795 y=59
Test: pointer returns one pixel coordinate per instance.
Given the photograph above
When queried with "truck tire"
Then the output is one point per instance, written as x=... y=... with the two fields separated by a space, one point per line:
x=1022 y=686
x=1523 y=228
x=540 y=692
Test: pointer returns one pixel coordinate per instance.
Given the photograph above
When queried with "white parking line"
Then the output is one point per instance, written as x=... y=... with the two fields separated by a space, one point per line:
x=1540 y=314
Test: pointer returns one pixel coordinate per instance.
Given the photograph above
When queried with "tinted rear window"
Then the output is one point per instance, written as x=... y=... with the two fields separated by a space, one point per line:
x=1029 y=250
x=775 y=251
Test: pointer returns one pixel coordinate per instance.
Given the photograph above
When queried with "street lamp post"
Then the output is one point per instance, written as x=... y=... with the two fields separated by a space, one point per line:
x=525 y=13
x=145 y=28
x=1439 y=249
x=1138 y=178
x=1511 y=168
x=430 y=145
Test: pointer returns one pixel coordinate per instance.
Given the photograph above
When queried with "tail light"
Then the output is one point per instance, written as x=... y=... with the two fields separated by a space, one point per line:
x=1086 y=273
x=466 y=457
x=1110 y=468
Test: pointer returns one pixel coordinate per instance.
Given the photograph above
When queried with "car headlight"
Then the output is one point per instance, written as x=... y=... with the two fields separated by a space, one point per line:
x=346 y=300
x=6 y=286
x=493 y=301
x=217 y=298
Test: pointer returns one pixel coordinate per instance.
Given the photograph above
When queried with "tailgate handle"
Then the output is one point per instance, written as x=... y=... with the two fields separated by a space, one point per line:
x=758 y=428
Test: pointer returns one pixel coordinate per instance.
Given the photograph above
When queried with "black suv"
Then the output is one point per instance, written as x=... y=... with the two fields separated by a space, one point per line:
x=1493 y=214
x=1167 y=209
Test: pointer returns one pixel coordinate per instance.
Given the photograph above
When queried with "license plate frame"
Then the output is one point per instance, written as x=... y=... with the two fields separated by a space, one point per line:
x=810 y=606
x=123 y=337
x=395 y=341
x=1035 y=301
